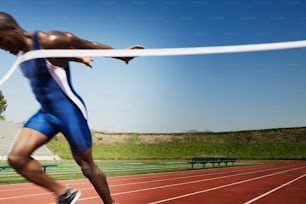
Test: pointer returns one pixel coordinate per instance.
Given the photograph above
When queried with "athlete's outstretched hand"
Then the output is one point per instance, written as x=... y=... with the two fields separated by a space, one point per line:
x=136 y=47
x=87 y=61
x=127 y=59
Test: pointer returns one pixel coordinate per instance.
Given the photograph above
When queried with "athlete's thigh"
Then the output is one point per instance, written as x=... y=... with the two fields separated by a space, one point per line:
x=78 y=135
x=75 y=129
x=27 y=141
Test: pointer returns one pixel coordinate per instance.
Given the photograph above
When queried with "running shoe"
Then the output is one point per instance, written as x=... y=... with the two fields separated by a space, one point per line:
x=70 y=197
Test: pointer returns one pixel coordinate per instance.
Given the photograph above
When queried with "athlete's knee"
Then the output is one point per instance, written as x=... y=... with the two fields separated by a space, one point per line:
x=17 y=161
x=87 y=171
x=90 y=170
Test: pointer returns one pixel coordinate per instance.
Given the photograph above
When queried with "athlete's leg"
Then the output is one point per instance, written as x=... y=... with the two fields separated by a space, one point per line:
x=20 y=159
x=94 y=174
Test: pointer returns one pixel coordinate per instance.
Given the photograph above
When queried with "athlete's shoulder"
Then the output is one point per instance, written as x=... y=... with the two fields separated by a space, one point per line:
x=55 y=39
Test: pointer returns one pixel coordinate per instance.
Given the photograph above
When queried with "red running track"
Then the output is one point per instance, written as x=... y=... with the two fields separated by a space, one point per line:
x=275 y=183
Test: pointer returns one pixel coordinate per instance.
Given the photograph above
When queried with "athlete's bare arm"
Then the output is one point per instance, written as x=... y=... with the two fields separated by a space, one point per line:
x=66 y=40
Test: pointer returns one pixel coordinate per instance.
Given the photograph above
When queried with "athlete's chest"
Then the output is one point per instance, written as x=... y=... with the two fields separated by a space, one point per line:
x=35 y=69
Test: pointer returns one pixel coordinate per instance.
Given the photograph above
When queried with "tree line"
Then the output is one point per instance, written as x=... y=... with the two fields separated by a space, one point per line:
x=3 y=106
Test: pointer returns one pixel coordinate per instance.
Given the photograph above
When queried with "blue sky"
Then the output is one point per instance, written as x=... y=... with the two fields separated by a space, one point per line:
x=223 y=92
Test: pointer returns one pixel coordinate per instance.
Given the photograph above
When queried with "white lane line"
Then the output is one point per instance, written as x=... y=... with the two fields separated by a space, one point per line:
x=24 y=196
x=274 y=189
x=248 y=202
x=190 y=182
x=178 y=178
x=90 y=188
x=223 y=186
x=211 y=189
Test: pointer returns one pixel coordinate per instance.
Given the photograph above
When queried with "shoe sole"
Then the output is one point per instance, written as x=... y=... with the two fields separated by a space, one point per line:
x=76 y=198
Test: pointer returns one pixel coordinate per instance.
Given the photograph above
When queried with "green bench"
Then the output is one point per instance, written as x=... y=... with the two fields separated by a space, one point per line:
x=213 y=160
x=43 y=166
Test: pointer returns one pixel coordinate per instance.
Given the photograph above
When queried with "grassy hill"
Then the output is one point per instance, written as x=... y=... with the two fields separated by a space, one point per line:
x=285 y=143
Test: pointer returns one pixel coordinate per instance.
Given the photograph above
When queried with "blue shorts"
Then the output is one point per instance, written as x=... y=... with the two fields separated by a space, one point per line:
x=73 y=126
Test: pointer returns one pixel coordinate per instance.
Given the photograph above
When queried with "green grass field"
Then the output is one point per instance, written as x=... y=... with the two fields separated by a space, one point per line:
x=133 y=157
x=287 y=143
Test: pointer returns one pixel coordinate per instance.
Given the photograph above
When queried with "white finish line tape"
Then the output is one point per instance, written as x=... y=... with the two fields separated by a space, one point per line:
x=151 y=52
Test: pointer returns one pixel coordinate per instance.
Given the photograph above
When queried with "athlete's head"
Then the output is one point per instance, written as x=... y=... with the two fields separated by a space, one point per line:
x=7 y=22
x=11 y=34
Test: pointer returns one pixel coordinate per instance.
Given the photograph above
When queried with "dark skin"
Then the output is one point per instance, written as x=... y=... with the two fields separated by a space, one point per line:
x=14 y=39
